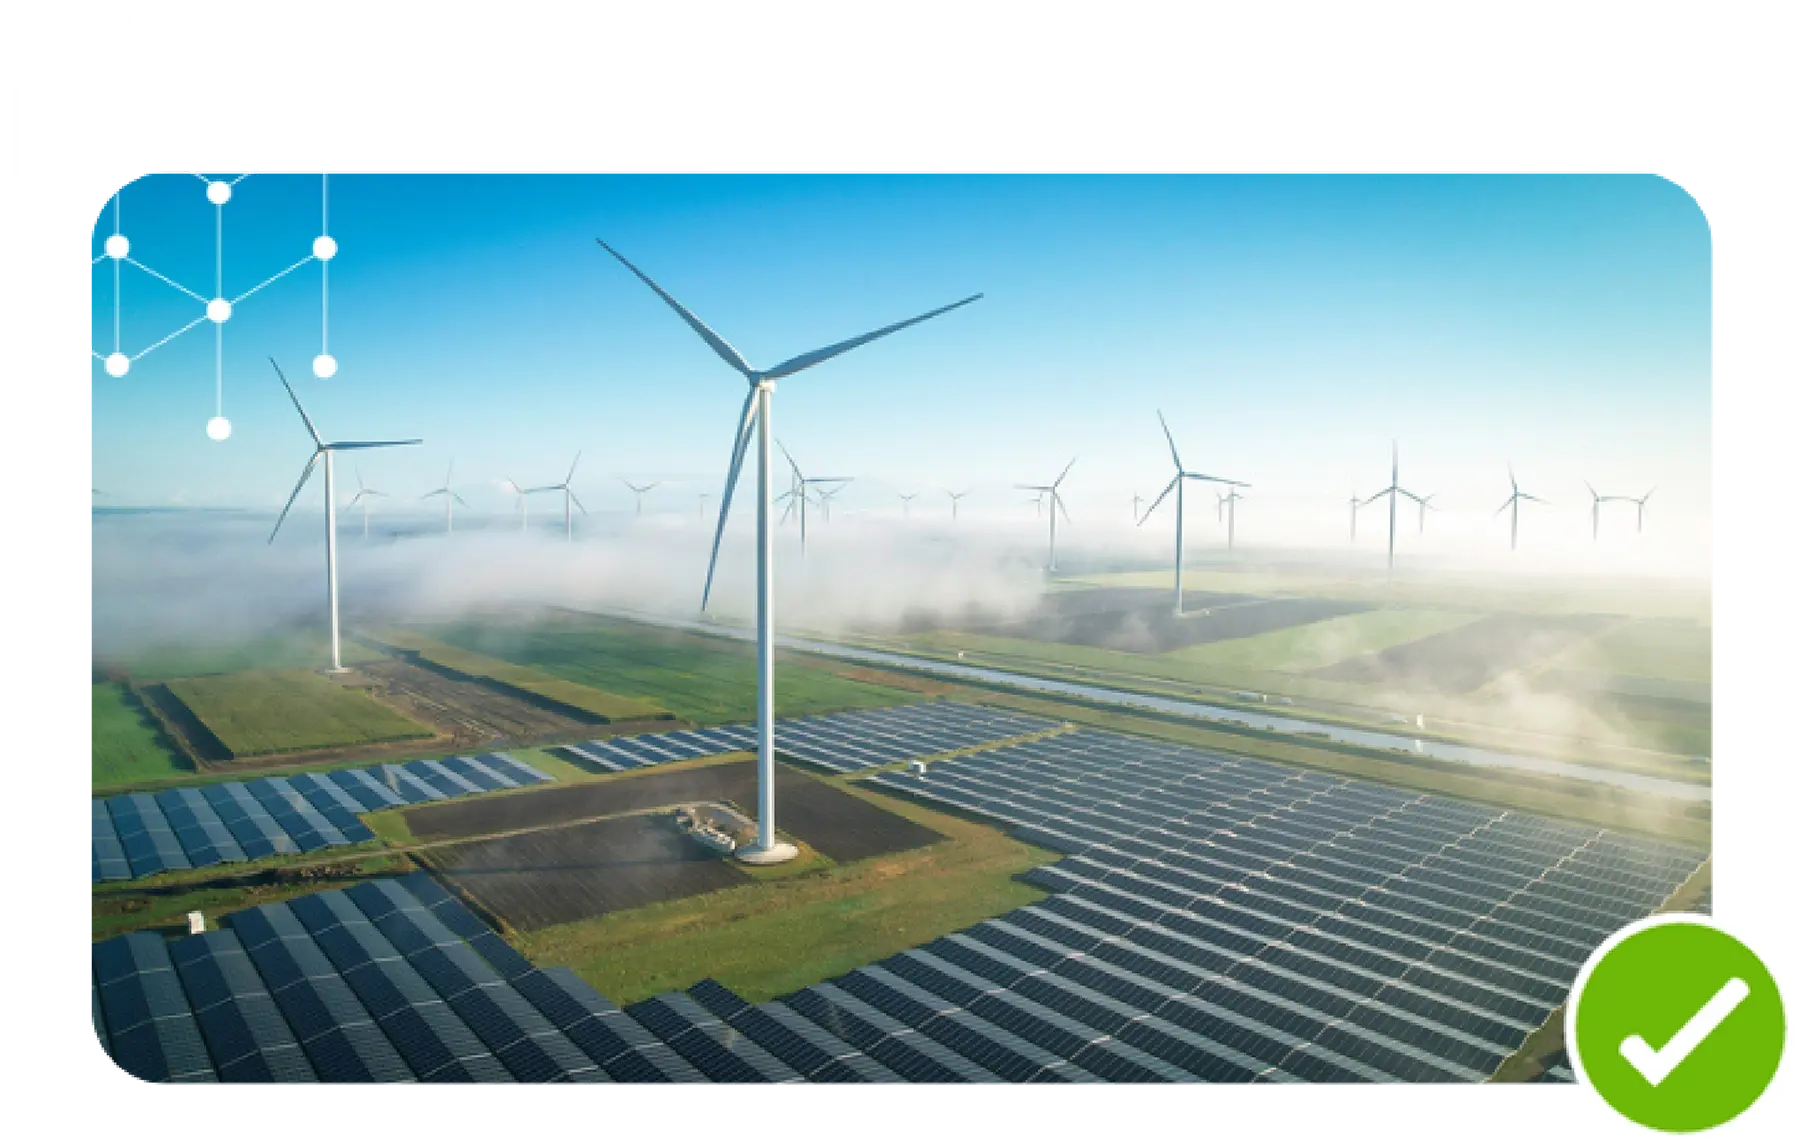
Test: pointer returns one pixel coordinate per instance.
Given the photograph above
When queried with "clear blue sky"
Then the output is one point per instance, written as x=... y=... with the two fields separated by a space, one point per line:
x=1289 y=327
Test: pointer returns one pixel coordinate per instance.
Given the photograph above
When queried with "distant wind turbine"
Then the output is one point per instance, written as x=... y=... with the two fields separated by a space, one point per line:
x=955 y=501
x=1599 y=498
x=802 y=490
x=1355 y=505
x=451 y=497
x=755 y=418
x=327 y=450
x=1639 y=502
x=570 y=501
x=906 y=505
x=1393 y=494
x=1228 y=502
x=1056 y=503
x=640 y=491
x=1513 y=501
x=1179 y=485
x=524 y=509
x=365 y=496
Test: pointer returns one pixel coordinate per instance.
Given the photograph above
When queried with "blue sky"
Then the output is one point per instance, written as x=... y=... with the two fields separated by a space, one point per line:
x=1289 y=328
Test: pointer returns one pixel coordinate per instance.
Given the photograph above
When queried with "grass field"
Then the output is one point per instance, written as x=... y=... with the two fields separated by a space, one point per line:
x=1668 y=650
x=261 y=711
x=63 y=740
x=769 y=937
x=167 y=903
x=607 y=706
x=290 y=650
x=702 y=679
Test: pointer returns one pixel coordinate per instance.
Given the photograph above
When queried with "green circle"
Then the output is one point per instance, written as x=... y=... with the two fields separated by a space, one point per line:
x=1662 y=1027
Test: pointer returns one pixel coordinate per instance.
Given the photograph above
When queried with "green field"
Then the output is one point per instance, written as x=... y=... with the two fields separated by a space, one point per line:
x=1661 y=649
x=778 y=935
x=261 y=711
x=58 y=740
x=289 y=650
x=702 y=679
x=607 y=706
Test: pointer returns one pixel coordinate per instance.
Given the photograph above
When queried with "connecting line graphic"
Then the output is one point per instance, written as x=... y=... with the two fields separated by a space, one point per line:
x=218 y=309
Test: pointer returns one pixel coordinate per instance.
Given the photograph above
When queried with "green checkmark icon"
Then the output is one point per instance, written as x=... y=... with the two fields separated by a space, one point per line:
x=1675 y=1023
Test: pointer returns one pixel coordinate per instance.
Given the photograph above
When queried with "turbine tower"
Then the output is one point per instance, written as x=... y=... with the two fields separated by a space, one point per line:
x=755 y=419
x=569 y=499
x=1056 y=503
x=1424 y=504
x=1228 y=503
x=1518 y=496
x=450 y=498
x=1355 y=504
x=640 y=491
x=955 y=501
x=1179 y=485
x=800 y=492
x=365 y=496
x=1134 y=505
x=328 y=450
x=519 y=492
x=1640 y=506
x=1393 y=494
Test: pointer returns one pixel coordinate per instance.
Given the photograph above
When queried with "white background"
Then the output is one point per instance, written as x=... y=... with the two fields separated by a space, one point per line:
x=102 y=93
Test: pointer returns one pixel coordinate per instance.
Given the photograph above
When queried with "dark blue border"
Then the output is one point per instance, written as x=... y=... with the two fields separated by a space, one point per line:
x=81 y=1102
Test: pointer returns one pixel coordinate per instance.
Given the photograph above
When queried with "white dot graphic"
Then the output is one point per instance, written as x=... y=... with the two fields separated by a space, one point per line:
x=218 y=428
x=324 y=366
x=218 y=192
x=117 y=247
x=324 y=247
x=117 y=364
x=218 y=310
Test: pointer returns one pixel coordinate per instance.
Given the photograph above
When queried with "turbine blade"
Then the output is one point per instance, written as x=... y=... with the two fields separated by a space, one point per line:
x=814 y=358
x=1063 y=475
x=572 y=466
x=1061 y=505
x=720 y=347
x=1173 y=453
x=455 y=495
x=1213 y=478
x=310 y=428
x=1159 y=499
x=1504 y=505
x=304 y=475
x=375 y=445
x=792 y=465
x=746 y=423
x=1646 y=497
x=576 y=500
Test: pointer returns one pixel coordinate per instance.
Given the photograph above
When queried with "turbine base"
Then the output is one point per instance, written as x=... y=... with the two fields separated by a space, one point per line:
x=777 y=853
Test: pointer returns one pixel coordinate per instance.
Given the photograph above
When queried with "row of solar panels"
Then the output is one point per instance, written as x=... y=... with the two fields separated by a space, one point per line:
x=840 y=742
x=141 y=834
x=1421 y=937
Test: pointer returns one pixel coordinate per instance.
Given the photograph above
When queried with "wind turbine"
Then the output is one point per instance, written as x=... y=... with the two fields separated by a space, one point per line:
x=755 y=417
x=570 y=501
x=328 y=450
x=825 y=496
x=640 y=491
x=955 y=501
x=519 y=492
x=1393 y=494
x=365 y=496
x=1179 y=484
x=1518 y=495
x=906 y=505
x=1640 y=506
x=1355 y=504
x=1134 y=505
x=1056 y=503
x=1424 y=504
x=1228 y=503
x=800 y=492
x=451 y=497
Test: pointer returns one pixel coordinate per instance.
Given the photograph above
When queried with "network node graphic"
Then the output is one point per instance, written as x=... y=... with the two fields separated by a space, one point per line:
x=218 y=307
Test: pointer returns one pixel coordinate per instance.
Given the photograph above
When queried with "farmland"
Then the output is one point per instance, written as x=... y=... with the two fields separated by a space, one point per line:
x=263 y=711
x=1466 y=658
x=701 y=679
x=585 y=698
x=764 y=938
x=129 y=747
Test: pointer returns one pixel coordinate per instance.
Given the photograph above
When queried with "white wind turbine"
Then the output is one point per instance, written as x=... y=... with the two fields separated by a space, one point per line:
x=519 y=492
x=906 y=505
x=1393 y=494
x=1513 y=501
x=956 y=501
x=570 y=501
x=755 y=418
x=1424 y=504
x=1179 y=485
x=801 y=490
x=1056 y=503
x=451 y=497
x=327 y=450
x=1228 y=510
x=639 y=491
x=1355 y=505
x=365 y=496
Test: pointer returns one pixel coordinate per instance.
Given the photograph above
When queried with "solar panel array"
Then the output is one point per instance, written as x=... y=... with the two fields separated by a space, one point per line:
x=1294 y=924
x=838 y=742
x=141 y=834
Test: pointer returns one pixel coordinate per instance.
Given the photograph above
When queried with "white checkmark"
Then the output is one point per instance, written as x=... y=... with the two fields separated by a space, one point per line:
x=1655 y=1065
